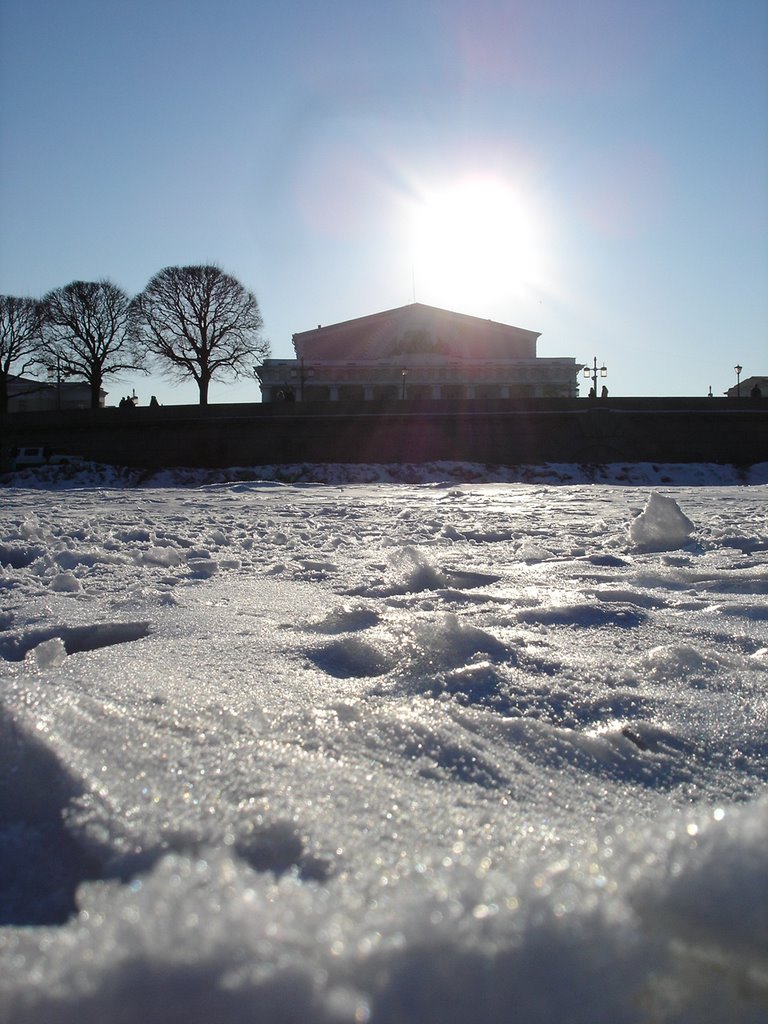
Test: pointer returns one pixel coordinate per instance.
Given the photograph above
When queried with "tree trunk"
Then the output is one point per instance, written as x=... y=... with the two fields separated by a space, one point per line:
x=202 y=384
x=95 y=389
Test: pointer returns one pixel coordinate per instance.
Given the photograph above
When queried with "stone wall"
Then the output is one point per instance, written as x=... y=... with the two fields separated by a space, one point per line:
x=501 y=432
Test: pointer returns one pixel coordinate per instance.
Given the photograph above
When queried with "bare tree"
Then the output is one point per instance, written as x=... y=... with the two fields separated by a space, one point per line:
x=85 y=332
x=201 y=323
x=20 y=340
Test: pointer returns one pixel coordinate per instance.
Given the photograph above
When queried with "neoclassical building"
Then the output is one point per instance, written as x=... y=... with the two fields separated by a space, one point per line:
x=416 y=352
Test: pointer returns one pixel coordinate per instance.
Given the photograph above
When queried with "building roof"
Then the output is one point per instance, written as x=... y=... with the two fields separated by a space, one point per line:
x=416 y=333
x=19 y=386
x=746 y=385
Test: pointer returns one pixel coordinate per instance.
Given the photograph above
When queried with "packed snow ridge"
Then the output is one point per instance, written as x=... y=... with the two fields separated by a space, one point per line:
x=424 y=744
x=619 y=473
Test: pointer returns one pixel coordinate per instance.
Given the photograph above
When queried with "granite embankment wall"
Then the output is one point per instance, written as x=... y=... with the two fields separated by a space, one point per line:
x=504 y=432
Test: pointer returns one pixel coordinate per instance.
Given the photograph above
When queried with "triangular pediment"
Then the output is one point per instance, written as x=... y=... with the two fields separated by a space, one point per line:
x=417 y=331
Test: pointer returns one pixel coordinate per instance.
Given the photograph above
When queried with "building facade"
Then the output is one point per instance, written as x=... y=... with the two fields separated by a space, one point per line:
x=416 y=352
x=25 y=395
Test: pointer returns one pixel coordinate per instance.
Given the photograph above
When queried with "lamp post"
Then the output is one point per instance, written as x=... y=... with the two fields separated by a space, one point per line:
x=405 y=377
x=55 y=374
x=738 y=370
x=309 y=372
x=593 y=372
x=302 y=374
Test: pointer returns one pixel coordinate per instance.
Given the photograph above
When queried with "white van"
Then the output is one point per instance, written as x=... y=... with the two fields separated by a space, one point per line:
x=42 y=455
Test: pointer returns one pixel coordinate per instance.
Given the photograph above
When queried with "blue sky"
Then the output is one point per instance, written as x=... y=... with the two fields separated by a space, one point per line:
x=595 y=171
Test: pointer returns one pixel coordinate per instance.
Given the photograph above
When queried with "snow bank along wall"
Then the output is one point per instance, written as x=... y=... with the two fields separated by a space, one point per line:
x=503 y=432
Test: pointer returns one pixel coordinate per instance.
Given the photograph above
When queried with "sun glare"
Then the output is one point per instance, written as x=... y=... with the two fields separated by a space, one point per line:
x=475 y=243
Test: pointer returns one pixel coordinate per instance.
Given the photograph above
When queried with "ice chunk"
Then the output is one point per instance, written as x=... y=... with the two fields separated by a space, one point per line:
x=661 y=526
x=162 y=556
x=50 y=653
x=203 y=568
x=348 y=619
x=66 y=583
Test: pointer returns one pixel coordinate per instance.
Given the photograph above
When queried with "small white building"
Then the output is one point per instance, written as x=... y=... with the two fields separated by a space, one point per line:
x=26 y=395
x=416 y=352
x=746 y=388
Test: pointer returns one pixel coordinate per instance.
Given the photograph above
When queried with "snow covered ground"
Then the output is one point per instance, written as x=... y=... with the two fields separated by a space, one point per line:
x=454 y=750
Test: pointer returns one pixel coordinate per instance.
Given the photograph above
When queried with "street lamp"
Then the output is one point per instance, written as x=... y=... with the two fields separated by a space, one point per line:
x=55 y=374
x=593 y=372
x=303 y=374
x=738 y=370
x=405 y=377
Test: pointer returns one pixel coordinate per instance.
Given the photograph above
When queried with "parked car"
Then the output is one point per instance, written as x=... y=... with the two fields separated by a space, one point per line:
x=42 y=455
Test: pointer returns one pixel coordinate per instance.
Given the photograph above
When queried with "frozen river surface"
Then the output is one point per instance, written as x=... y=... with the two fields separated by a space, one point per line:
x=439 y=752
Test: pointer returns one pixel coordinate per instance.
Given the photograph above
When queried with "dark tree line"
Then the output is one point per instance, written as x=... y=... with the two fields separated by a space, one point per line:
x=189 y=322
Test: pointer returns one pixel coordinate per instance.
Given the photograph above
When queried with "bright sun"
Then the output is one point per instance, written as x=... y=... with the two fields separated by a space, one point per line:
x=475 y=244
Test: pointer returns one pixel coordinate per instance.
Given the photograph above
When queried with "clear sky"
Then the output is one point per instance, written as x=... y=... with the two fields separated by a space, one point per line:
x=596 y=171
